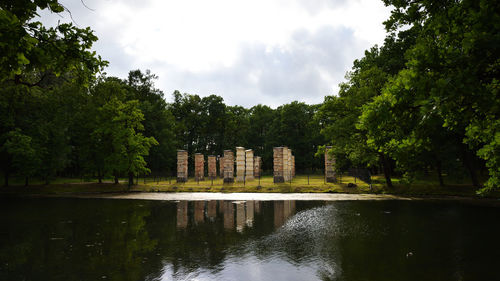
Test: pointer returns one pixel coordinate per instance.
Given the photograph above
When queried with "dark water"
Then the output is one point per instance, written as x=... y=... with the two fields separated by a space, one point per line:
x=92 y=239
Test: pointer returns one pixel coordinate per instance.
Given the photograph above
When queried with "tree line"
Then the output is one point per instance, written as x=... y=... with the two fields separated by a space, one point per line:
x=426 y=101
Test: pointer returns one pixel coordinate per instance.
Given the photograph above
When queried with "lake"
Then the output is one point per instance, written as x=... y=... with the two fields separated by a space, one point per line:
x=105 y=239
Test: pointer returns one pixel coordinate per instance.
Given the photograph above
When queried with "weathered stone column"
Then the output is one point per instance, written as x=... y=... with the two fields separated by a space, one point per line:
x=329 y=166
x=228 y=166
x=278 y=164
x=286 y=173
x=249 y=165
x=182 y=166
x=240 y=164
x=212 y=167
x=293 y=166
x=257 y=163
x=221 y=167
x=289 y=158
x=199 y=167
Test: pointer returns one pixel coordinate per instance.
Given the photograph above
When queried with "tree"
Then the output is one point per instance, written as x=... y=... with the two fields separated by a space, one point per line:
x=454 y=68
x=119 y=123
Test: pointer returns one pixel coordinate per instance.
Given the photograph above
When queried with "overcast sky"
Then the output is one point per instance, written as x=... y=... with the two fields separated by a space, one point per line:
x=249 y=52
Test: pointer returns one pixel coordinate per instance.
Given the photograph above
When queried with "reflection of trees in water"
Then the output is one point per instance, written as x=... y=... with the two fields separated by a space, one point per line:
x=77 y=240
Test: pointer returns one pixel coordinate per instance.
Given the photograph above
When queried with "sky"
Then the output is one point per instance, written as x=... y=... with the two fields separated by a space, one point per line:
x=249 y=52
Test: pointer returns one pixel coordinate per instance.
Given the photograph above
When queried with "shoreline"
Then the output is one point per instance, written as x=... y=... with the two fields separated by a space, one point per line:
x=245 y=196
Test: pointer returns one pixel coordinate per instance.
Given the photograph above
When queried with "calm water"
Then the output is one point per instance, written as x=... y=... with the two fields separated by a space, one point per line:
x=92 y=239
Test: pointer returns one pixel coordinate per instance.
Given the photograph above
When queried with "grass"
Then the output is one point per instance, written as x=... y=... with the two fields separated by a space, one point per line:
x=424 y=186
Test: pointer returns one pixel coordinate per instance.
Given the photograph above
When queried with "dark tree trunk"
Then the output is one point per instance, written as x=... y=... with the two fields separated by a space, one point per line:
x=26 y=181
x=439 y=172
x=130 y=179
x=116 y=179
x=469 y=165
x=387 y=170
x=99 y=176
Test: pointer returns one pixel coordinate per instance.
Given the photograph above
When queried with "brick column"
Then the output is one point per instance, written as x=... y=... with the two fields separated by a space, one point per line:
x=249 y=165
x=182 y=166
x=257 y=164
x=240 y=163
x=293 y=166
x=286 y=173
x=228 y=166
x=212 y=167
x=329 y=166
x=199 y=167
x=278 y=164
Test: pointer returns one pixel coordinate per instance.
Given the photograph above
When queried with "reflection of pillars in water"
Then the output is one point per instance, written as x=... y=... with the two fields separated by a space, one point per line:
x=282 y=211
x=228 y=215
x=288 y=209
x=256 y=205
x=250 y=211
x=182 y=214
x=211 y=210
x=199 y=211
x=278 y=214
x=240 y=216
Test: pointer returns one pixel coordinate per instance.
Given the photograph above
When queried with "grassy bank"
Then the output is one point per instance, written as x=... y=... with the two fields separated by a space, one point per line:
x=300 y=184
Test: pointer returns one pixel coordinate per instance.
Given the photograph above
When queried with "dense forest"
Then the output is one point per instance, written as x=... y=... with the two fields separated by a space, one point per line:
x=426 y=101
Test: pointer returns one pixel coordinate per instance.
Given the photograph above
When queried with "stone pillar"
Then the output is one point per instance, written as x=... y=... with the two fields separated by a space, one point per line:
x=228 y=166
x=293 y=166
x=212 y=167
x=182 y=166
x=329 y=166
x=240 y=164
x=286 y=173
x=249 y=165
x=221 y=167
x=257 y=164
x=278 y=164
x=289 y=166
x=199 y=167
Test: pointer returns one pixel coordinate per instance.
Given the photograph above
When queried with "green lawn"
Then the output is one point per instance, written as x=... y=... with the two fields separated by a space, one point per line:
x=301 y=183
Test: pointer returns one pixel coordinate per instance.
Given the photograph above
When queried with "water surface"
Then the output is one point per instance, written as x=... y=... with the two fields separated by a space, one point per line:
x=100 y=239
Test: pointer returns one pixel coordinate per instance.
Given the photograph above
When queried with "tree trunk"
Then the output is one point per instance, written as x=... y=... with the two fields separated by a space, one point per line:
x=99 y=176
x=387 y=170
x=116 y=179
x=130 y=179
x=469 y=165
x=26 y=181
x=439 y=172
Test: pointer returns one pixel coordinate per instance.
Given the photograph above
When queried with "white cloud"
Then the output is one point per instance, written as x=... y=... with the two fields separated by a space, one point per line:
x=245 y=51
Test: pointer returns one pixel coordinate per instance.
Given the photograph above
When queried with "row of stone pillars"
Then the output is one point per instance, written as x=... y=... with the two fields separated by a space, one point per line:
x=248 y=166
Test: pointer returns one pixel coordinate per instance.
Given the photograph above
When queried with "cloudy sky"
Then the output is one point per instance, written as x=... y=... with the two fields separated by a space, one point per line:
x=249 y=52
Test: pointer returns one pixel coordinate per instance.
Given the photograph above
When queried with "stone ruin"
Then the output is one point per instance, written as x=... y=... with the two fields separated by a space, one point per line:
x=249 y=170
x=182 y=166
x=257 y=166
x=330 y=175
x=283 y=164
x=212 y=167
x=240 y=164
x=199 y=167
x=228 y=166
